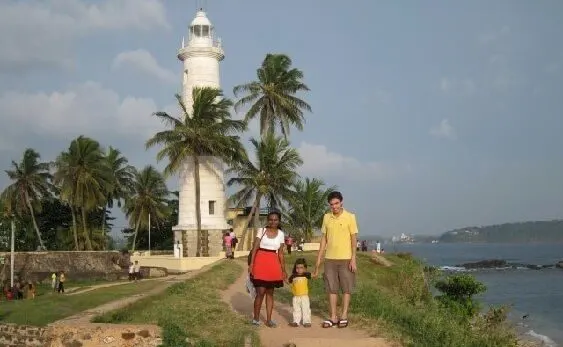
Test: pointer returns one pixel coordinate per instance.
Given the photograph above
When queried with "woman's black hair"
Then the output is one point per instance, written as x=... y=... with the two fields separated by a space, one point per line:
x=299 y=261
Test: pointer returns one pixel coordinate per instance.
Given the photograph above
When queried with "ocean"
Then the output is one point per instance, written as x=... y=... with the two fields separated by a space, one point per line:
x=536 y=293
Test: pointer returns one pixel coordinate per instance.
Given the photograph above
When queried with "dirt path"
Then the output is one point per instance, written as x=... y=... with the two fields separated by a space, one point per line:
x=284 y=335
x=85 y=317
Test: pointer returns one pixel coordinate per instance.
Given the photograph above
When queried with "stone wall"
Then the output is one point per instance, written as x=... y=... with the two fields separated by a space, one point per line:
x=211 y=239
x=12 y=335
x=86 y=335
x=38 y=266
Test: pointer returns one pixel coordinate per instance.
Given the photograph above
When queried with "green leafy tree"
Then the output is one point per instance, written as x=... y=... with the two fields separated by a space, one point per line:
x=205 y=130
x=270 y=177
x=31 y=182
x=307 y=206
x=272 y=97
x=121 y=181
x=83 y=178
x=148 y=197
x=458 y=293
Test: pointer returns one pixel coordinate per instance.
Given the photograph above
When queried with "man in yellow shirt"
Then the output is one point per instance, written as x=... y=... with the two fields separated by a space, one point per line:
x=339 y=239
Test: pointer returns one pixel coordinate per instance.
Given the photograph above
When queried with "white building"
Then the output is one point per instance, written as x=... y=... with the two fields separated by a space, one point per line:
x=201 y=54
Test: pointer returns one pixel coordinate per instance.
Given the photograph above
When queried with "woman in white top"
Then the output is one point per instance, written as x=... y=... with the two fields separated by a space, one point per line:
x=267 y=267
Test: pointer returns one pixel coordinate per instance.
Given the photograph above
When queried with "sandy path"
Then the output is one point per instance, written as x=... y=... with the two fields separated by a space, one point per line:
x=284 y=335
x=86 y=316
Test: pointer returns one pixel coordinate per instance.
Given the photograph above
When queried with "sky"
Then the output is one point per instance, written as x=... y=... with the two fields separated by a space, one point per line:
x=428 y=116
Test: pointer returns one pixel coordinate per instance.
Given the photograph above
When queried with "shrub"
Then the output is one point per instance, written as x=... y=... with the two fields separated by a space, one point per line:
x=458 y=292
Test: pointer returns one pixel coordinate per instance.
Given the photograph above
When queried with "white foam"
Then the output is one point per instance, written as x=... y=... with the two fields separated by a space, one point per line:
x=544 y=339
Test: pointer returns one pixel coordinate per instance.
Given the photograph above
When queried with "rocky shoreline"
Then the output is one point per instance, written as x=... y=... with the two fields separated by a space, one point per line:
x=503 y=264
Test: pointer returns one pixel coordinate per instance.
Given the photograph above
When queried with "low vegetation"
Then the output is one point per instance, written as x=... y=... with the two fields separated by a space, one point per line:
x=192 y=311
x=397 y=302
x=49 y=307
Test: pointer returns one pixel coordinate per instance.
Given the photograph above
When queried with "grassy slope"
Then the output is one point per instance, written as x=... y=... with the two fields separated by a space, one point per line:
x=394 y=301
x=48 y=307
x=193 y=310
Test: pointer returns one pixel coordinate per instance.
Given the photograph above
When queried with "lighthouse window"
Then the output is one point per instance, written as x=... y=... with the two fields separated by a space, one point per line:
x=197 y=30
x=211 y=207
x=205 y=30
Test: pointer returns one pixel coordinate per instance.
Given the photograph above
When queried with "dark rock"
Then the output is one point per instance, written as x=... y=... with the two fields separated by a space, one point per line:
x=127 y=336
x=485 y=264
x=144 y=333
x=559 y=265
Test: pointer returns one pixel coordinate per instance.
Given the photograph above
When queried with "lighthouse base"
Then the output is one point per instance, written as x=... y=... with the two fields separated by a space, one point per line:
x=211 y=241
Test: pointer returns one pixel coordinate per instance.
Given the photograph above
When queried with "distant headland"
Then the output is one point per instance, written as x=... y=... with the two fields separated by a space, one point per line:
x=522 y=232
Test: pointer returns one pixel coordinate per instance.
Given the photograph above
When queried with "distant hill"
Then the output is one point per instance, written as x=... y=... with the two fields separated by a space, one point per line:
x=540 y=231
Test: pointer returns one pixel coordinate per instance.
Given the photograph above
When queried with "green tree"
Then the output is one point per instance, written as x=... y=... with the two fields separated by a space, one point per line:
x=31 y=182
x=270 y=177
x=121 y=181
x=307 y=206
x=458 y=293
x=205 y=130
x=148 y=197
x=273 y=96
x=83 y=178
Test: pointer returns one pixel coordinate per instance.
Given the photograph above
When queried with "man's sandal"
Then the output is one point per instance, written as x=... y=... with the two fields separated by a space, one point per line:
x=329 y=324
x=343 y=323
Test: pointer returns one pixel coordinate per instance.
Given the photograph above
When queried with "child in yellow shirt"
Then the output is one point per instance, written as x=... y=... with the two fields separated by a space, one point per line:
x=299 y=281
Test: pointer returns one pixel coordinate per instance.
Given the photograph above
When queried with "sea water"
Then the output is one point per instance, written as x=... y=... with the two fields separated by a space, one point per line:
x=536 y=294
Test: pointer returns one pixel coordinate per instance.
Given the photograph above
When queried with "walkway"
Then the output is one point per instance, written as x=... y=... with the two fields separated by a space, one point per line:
x=284 y=335
x=86 y=316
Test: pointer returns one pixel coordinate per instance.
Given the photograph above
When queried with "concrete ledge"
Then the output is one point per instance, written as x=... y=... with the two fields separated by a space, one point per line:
x=174 y=265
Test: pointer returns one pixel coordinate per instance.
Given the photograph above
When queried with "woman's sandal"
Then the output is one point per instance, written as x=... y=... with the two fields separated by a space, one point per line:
x=329 y=324
x=343 y=323
x=271 y=324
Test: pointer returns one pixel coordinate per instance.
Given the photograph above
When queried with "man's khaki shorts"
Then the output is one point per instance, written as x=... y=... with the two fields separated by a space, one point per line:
x=338 y=277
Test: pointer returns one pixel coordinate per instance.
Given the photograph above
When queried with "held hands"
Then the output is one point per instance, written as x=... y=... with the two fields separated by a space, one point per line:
x=315 y=273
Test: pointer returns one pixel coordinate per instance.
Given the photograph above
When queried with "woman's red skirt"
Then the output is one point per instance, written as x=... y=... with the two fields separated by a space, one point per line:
x=267 y=271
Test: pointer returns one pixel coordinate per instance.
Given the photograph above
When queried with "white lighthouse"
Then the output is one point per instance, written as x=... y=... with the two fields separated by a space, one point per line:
x=201 y=54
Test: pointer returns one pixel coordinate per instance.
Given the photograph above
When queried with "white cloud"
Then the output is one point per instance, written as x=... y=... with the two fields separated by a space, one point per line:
x=444 y=130
x=491 y=37
x=319 y=161
x=145 y=62
x=460 y=86
x=36 y=33
x=86 y=109
x=445 y=84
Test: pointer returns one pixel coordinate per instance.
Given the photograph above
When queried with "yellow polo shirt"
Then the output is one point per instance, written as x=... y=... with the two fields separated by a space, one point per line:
x=339 y=230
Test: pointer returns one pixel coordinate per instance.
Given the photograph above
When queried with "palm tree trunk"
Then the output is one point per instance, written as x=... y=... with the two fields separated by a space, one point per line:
x=87 y=241
x=253 y=211
x=136 y=233
x=74 y=228
x=104 y=241
x=197 y=204
x=35 y=226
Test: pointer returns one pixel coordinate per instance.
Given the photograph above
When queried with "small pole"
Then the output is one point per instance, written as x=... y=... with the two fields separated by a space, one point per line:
x=149 y=234
x=12 y=255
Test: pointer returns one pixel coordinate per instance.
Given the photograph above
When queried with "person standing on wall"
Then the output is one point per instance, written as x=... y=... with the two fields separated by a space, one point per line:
x=339 y=237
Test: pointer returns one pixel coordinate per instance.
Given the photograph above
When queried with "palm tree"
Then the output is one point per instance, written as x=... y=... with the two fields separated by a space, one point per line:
x=83 y=178
x=149 y=196
x=307 y=206
x=121 y=181
x=206 y=130
x=31 y=183
x=272 y=96
x=271 y=177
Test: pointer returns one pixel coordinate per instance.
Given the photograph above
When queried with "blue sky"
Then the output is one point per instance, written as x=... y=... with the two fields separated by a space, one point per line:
x=428 y=115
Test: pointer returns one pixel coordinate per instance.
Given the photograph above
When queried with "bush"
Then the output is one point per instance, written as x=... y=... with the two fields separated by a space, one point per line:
x=458 y=292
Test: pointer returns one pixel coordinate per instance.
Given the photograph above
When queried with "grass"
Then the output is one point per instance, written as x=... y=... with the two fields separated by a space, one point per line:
x=395 y=302
x=48 y=307
x=192 y=310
